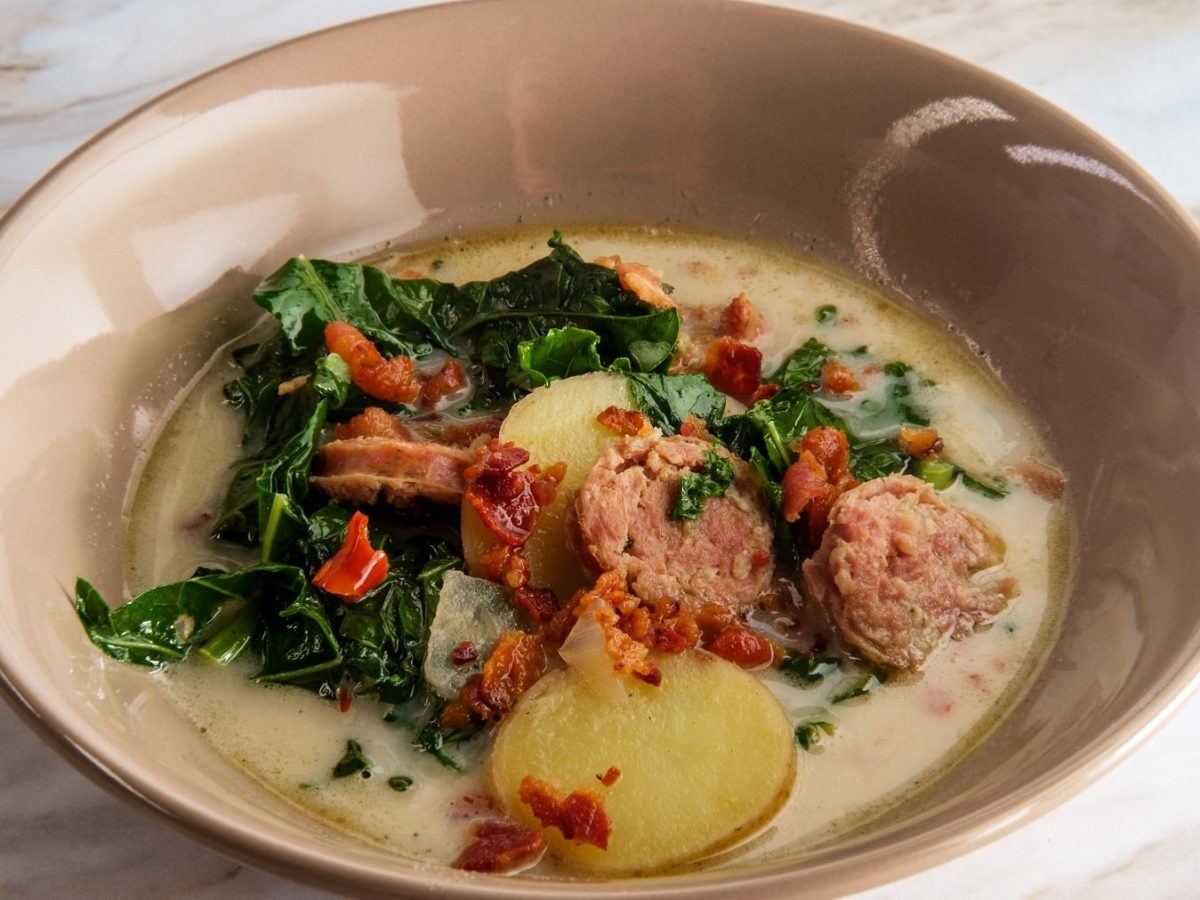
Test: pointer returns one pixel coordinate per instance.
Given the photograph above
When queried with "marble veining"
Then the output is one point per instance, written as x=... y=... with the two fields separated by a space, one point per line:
x=1130 y=70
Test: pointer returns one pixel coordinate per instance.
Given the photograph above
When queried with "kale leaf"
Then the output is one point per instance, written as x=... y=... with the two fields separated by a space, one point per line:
x=696 y=487
x=666 y=400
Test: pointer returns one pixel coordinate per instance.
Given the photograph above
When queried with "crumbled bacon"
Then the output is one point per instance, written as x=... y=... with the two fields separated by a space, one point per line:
x=640 y=280
x=580 y=815
x=713 y=618
x=817 y=478
x=384 y=379
x=741 y=646
x=514 y=664
x=448 y=379
x=610 y=776
x=496 y=846
x=508 y=501
x=372 y=422
x=837 y=379
x=464 y=653
x=919 y=441
x=292 y=385
x=733 y=368
x=740 y=320
x=624 y=421
x=694 y=426
x=539 y=604
x=764 y=392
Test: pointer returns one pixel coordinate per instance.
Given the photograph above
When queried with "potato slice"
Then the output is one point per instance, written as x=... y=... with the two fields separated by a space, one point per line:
x=555 y=423
x=705 y=758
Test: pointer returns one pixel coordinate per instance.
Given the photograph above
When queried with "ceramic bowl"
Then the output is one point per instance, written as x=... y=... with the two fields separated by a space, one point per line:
x=973 y=198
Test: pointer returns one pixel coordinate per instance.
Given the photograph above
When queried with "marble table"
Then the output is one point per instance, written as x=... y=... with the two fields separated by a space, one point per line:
x=1130 y=70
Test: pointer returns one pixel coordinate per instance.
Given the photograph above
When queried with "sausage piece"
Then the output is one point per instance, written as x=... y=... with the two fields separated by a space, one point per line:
x=379 y=469
x=623 y=514
x=900 y=572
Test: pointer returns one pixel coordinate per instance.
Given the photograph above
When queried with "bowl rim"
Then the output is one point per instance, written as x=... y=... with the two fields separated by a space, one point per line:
x=924 y=850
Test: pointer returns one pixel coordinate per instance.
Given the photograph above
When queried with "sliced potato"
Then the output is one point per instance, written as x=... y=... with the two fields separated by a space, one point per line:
x=556 y=423
x=705 y=759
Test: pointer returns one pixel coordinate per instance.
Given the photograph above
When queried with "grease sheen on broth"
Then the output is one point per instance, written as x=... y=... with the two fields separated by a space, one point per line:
x=884 y=747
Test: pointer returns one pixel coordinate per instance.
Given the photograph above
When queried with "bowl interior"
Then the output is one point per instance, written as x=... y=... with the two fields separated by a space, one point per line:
x=121 y=273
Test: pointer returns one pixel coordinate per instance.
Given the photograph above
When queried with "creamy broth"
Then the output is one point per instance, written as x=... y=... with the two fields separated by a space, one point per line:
x=886 y=745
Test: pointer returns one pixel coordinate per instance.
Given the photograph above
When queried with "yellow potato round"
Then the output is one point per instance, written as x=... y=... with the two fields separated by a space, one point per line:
x=705 y=758
x=556 y=423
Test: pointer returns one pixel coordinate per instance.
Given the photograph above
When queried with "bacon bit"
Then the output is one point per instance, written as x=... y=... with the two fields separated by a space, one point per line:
x=384 y=379
x=539 y=604
x=624 y=421
x=713 y=618
x=694 y=426
x=514 y=664
x=733 y=368
x=344 y=697
x=464 y=653
x=837 y=379
x=764 y=392
x=508 y=501
x=640 y=280
x=1045 y=481
x=372 y=422
x=919 y=441
x=817 y=478
x=741 y=646
x=740 y=320
x=496 y=846
x=580 y=815
x=629 y=656
x=292 y=385
x=355 y=568
x=609 y=778
x=449 y=378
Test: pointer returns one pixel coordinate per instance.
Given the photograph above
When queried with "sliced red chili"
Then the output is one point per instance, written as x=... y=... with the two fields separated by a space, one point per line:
x=356 y=568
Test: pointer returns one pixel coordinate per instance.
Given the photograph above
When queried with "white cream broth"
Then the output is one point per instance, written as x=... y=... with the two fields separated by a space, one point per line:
x=886 y=745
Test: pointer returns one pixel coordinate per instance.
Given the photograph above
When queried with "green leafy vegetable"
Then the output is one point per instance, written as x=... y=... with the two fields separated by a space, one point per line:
x=803 y=366
x=826 y=314
x=808 y=734
x=806 y=670
x=400 y=783
x=353 y=761
x=862 y=686
x=559 y=353
x=696 y=487
x=666 y=400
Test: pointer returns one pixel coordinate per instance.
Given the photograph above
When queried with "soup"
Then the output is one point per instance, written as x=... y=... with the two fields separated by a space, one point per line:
x=868 y=715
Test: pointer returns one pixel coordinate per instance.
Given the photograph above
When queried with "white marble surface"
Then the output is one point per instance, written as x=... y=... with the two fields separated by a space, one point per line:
x=1129 y=69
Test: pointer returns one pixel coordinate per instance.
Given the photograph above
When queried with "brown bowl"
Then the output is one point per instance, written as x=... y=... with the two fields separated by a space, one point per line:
x=975 y=199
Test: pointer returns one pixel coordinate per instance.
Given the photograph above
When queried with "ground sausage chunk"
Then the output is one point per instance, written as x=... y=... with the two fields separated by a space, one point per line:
x=387 y=470
x=623 y=512
x=900 y=572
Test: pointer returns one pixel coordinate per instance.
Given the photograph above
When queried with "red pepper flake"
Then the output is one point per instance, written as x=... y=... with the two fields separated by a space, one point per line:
x=355 y=568
x=624 y=421
x=464 y=653
x=742 y=646
x=384 y=379
x=507 y=500
x=740 y=320
x=449 y=378
x=496 y=846
x=580 y=815
x=733 y=368
x=609 y=778
x=345 y=698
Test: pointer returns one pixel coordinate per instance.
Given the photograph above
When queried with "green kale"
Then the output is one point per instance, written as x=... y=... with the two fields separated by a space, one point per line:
x=696 y=487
